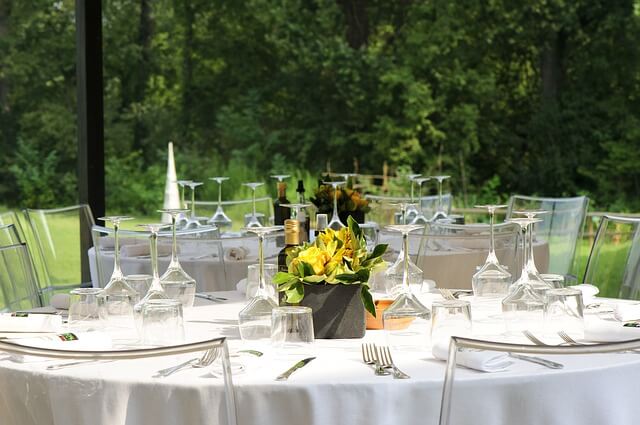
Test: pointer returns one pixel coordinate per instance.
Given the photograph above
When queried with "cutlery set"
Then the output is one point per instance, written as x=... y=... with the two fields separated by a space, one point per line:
x=380 y=359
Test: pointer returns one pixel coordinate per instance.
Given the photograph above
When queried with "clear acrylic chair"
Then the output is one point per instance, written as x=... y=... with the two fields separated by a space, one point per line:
x=9 y=235
x=450 y=254
x=200 y=252
x=219 y=345
x=383 y=211
x=58 y=240
x=614 y=261
x=561 y=228
x=458 y=343
x=11 y=217
x=18 y=286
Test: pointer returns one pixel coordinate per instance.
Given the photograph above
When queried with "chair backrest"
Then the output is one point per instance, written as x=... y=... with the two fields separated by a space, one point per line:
x=58 y=240
x=9 y=235
x=18 y=287
x=561 y=227
x=614 y=261
x=236 y=210
x=458 y=344
x=11 y=217
x=383 y=212
x=200 y=253
x=449 y=254
x=218 y=345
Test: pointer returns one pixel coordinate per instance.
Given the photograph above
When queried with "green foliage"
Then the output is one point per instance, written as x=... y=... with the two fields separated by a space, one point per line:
x=536 y=97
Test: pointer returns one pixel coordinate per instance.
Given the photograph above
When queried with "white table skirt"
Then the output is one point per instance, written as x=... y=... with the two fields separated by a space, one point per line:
x=336 y=388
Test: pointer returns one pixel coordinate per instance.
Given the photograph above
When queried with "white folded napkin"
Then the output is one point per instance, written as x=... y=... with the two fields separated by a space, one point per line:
x=60 y=301
x=598 y=330
x=236 y=253
x=242 y=286
x=484 y=361
x=77 y=341
x=30 y=323
x=589 y=292
x=626 y=312
x=139 y=250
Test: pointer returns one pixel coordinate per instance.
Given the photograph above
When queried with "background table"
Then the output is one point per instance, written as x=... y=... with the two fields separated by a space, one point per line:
x=336 y=388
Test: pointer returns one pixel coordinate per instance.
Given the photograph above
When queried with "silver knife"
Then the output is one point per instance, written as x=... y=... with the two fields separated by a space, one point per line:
x=538 y=360
x=211 y=298
x=284 y=376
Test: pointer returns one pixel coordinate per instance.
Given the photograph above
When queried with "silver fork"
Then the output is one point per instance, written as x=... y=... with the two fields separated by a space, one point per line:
x=387 y=361
x=565 y=336
x=446 y=294
x=369 y=356
x=533 y=338
x=207 y=358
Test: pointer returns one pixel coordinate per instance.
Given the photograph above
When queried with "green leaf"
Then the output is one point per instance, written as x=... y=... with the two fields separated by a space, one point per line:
x=354 y=228
x=347 y=277
x=308 y=269
x=295 y=294
x=314 y=279
x=282 y=277
x=378 y=251
x=367 y=300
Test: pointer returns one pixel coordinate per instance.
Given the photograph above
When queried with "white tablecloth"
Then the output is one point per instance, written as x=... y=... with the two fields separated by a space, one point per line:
x=336 y=388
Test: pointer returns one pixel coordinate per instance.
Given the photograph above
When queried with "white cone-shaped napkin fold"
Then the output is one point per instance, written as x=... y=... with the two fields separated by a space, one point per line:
x=171 y=194
x=482 y=360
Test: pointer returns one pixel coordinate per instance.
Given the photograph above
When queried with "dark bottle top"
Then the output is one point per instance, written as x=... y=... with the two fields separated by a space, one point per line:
x=291 y=240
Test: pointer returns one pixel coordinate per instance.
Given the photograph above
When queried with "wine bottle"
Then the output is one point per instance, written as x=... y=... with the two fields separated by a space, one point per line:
x=302 y=215
x=291 y=240
x=280 y=213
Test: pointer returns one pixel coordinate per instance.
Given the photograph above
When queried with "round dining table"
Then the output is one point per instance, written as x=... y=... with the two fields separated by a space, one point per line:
x=337 y=387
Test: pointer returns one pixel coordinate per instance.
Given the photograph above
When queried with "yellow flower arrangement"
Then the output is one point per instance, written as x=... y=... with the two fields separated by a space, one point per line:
x=335 y=257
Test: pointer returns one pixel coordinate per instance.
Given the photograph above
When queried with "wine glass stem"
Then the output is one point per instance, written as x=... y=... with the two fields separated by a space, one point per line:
x=405 y=273
x=524 y=250
x=174 y=242
x=253 y=198
x=492 y=246
x=193 y=202
x=412 y=184
x=530 y=263
x=420 y=197
x=117 y=271
x=261 y=283
x=154 y=255
x=182 y=203
x=335 y=203
x=220 y=195
x=440 y=207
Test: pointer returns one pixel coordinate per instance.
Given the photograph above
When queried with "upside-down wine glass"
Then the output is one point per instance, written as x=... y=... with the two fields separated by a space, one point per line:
x=539 y=284
x=253 y=221
x=440 y=212
x=406 y=321
x=155 y=291
x=335 y=222
x=255 y=318
x=394 y=275
x=182 y=218
x=412 y=210
x=523 y=308
x=175 y=281
x=420 y=218
x=119 y=297
x=493 y=279
x=219 y=218
x=347 y=176
x=193 y=222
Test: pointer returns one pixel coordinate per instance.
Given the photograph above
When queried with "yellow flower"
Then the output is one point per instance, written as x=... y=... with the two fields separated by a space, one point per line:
x=313 y=256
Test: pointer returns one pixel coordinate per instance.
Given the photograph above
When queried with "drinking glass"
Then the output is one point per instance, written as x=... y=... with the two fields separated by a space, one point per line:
x=406 y=321
x=450 y=318
x=370 y=232
x=523 y=308
x=404 y=210
x=412 y=211
x=394 y=275
x=253 y=219
x=292 y=328
x=537 y=282
x=253 y=280
x=564 y=311
x=219 y=218
x=420 y=218
x=85 y=309
x=255 y=318
x=493 y=279
x=193 y=222
x=162 y=322
x=440 y=212
x=175 y=281
x=182 y=218
x=155 y=290
x=335 y=222
x=140 y=282
x=118 y=297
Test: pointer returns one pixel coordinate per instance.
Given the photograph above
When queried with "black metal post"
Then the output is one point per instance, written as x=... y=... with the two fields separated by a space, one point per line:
x=91 y=181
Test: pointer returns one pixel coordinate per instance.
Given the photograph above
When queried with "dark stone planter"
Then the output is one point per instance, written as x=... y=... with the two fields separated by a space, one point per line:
x=358 y=216
x=338 y=311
